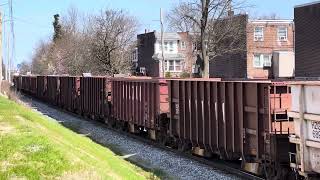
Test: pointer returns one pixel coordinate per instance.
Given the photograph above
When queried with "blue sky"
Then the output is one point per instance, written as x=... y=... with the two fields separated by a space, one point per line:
x=33 y=18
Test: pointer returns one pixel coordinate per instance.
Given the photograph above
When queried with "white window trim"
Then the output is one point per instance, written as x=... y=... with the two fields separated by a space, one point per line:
x=253 y=62
x=263 y=64
x=286 y=38
x=167 y=48
x=254 y=33
x=183 y=45
x=142 y=70
x=167 y=65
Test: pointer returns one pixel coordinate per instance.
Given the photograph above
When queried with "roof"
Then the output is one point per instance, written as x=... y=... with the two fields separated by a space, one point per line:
x=168 y=35
x=307 y=4
x=273 y=21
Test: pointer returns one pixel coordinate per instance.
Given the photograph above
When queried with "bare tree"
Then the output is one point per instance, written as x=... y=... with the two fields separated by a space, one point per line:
x=41 y=63
x=24 y=68
x=178 y=21
x=97 y=44
x=113 y=34
x=214 y=21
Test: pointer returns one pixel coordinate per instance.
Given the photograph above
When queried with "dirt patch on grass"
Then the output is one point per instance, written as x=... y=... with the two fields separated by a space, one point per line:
x=4 y=165
x=34 y=148
x=6 y=128
x=19 y=118
x=18 y=156
x=80 y=175
x=17 y=178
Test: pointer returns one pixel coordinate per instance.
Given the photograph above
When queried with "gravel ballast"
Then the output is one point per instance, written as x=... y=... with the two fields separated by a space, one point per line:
x=173 y=165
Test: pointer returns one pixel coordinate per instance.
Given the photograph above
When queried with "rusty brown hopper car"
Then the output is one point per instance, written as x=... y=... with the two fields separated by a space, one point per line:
x=280 y=105
x=53 y=89
x=228 y=118
x=29 y=84
x=42 y=87
x=17 y=82
x=93 y=97
x=69 y=89
x=139 y=101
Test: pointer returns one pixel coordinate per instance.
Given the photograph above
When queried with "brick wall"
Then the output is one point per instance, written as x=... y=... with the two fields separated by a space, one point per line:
x=188 y=52
x=145 y=52
x=307 y=50
x=232 y=64
x=267 y=46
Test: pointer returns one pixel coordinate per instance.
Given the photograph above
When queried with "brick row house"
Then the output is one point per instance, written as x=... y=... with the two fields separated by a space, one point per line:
x=269 y=52
x=270 y=47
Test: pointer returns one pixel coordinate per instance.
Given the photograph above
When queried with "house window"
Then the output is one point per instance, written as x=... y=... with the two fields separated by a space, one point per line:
x=282 y=33
x=170 y=46
x=258 y=34
x=142 y=70
x=177 y=65
x=262 y=60
x=183 y=45
x=194 y=46
x=173 y=66
x=165 y=46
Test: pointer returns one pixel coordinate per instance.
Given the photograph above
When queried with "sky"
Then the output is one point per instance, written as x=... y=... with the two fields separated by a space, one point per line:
x=33 y=18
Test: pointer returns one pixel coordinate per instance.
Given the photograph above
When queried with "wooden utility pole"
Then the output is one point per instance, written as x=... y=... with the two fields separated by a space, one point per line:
x=0 y=51
x=162 y=43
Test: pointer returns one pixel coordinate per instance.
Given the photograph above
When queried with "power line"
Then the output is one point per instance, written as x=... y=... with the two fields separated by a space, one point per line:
x=29 y=22
x=3 y=4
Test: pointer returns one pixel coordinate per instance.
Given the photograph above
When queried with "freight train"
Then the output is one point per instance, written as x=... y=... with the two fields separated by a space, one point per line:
x=235 y=120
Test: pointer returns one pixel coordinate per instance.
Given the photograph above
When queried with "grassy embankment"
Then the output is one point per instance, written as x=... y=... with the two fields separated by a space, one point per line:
x=34 y=147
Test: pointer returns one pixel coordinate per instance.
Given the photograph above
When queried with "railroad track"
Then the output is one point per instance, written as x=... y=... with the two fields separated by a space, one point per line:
x=213 y=163
x=217 y=164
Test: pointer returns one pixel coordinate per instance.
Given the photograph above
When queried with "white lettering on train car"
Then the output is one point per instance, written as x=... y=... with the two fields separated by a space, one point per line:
x=314 y=130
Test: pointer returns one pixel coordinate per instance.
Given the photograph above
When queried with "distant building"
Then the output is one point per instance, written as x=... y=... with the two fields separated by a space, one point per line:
x=265 y=38
x=268 y=53
x=232 y=64
x=178 y=53
x=134 y=58
x=307 y=40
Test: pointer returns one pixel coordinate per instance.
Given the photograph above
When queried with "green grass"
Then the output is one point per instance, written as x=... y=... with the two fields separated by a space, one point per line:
x=34 y=147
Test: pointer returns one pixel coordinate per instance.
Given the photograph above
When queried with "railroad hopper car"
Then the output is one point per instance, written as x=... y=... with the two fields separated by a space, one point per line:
x=26 y=84
x=69 y=93
x=142 y=104
x=41 y=87
x=53 y=90
x=93 y=97
x=235 y=120
x=306 y=114
x=17 y=82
